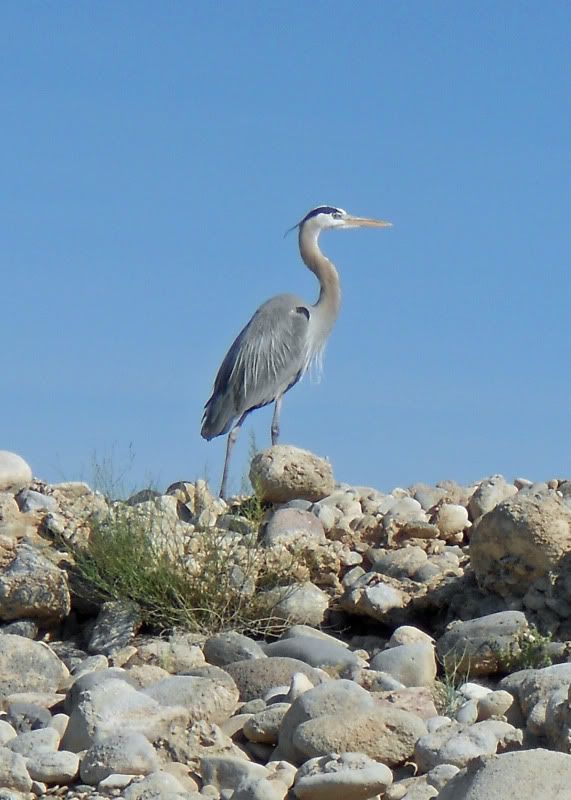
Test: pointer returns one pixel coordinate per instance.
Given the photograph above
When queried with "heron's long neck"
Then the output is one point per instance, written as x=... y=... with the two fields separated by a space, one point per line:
x=329 y=301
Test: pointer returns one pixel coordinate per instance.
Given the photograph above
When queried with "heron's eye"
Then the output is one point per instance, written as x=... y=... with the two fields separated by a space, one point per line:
x=336 y=215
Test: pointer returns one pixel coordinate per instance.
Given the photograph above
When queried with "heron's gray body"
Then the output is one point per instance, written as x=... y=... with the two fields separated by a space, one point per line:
x=276 y=347
x=267 y=358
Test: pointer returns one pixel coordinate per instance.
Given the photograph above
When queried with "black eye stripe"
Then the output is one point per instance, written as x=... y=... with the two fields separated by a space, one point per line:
x=322 y=210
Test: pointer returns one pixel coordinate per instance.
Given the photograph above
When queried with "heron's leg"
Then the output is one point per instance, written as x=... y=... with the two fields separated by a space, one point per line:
x=231 y=441
x=276 y=420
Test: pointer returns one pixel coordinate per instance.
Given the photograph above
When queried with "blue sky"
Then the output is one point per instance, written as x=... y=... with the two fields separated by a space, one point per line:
x=153 y=155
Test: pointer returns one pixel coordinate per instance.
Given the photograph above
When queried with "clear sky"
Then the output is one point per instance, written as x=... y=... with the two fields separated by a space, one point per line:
x=153 y=154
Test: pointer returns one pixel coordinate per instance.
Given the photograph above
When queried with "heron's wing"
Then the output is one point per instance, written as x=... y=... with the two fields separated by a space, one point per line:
x=268 y=357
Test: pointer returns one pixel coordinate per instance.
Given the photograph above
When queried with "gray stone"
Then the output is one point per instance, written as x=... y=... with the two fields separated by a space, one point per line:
x=488 y=494
x=373 y=596
x=32 y=586
x=127 y=753
x=260 y=789
x=494 y=704
x=53 y=768
x=384 y=732
x=351 y=720
x=156 y=786
x=27 y=716
x=114 y=706
x=315 y=652
x=226 y=648
x=27 y=666
x=28 y=628
x=88 y=680
x=30 y=500
x=284 y=473
x=411 y=664
x=13 y=772
x=255 y=677
x=538 y=773
x=296 y=604
x=293 y=526
x=352 y=776
x=227 y=772
x=203 y=698
x=31 y=742
x=481 y=646
x=440 y=775
x=458 y=745
x=264 y=726
x=7 y=732
x=15 y=473
x=399 y=564
x=115 y=627
x=451 y=519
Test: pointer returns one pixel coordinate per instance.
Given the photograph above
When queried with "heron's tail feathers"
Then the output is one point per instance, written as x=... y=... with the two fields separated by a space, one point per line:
x=218 y=417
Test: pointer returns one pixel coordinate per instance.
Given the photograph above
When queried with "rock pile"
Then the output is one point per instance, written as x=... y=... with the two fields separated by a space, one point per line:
x=422 y=651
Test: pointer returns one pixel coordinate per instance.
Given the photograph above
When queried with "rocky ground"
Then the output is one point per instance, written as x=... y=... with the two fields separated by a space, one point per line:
x=423 y=646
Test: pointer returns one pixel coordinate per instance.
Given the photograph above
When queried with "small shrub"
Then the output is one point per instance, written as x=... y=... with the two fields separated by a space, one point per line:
x=205 y=582
x=447 y=698
x=529 y=650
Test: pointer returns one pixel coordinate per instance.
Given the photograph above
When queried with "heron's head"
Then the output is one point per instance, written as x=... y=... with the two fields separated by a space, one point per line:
x=323 y=217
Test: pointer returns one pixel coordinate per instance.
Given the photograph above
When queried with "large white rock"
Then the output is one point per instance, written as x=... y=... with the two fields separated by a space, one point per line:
x=282 y=473
x=15 y=473
x=28 y=666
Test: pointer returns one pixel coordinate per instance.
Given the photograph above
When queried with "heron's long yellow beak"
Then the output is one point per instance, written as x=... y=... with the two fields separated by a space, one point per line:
x=366 y=222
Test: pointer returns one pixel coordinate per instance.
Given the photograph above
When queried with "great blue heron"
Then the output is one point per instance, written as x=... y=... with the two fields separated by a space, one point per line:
x=284 y=336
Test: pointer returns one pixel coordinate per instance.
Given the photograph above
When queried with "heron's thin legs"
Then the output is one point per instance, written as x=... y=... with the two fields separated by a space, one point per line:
x=276 y=420
x=231 y=441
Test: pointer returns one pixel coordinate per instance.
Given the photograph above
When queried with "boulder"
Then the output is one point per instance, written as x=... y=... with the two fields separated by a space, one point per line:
x=282 y=473
x=32 y=586
x=127 y=753
x=520 y=542
x=482 y=646
x=530 y=773
x=28 y=666
x=255 y=677
x=15 y=473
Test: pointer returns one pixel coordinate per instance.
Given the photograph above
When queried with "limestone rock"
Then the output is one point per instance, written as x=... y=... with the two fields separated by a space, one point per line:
x=538 y=773
x=519 y=542
x=225 y=648
x=203 y=698
x=265 y=725
x=114 y=706
x=53 y=768
x=27 y=666
x=154 y=786
x=384 y=733
x=282 y=473
x=13 y=772
x=411 y=664
x=315 y=652
x=15 y=473
x=481 y=646
x=32 y=586
x=126 y=753
x=296 y=604
x=488 y=494
x=293 y=526
x=352 y=776
x=458 y=745
x=254 y=677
